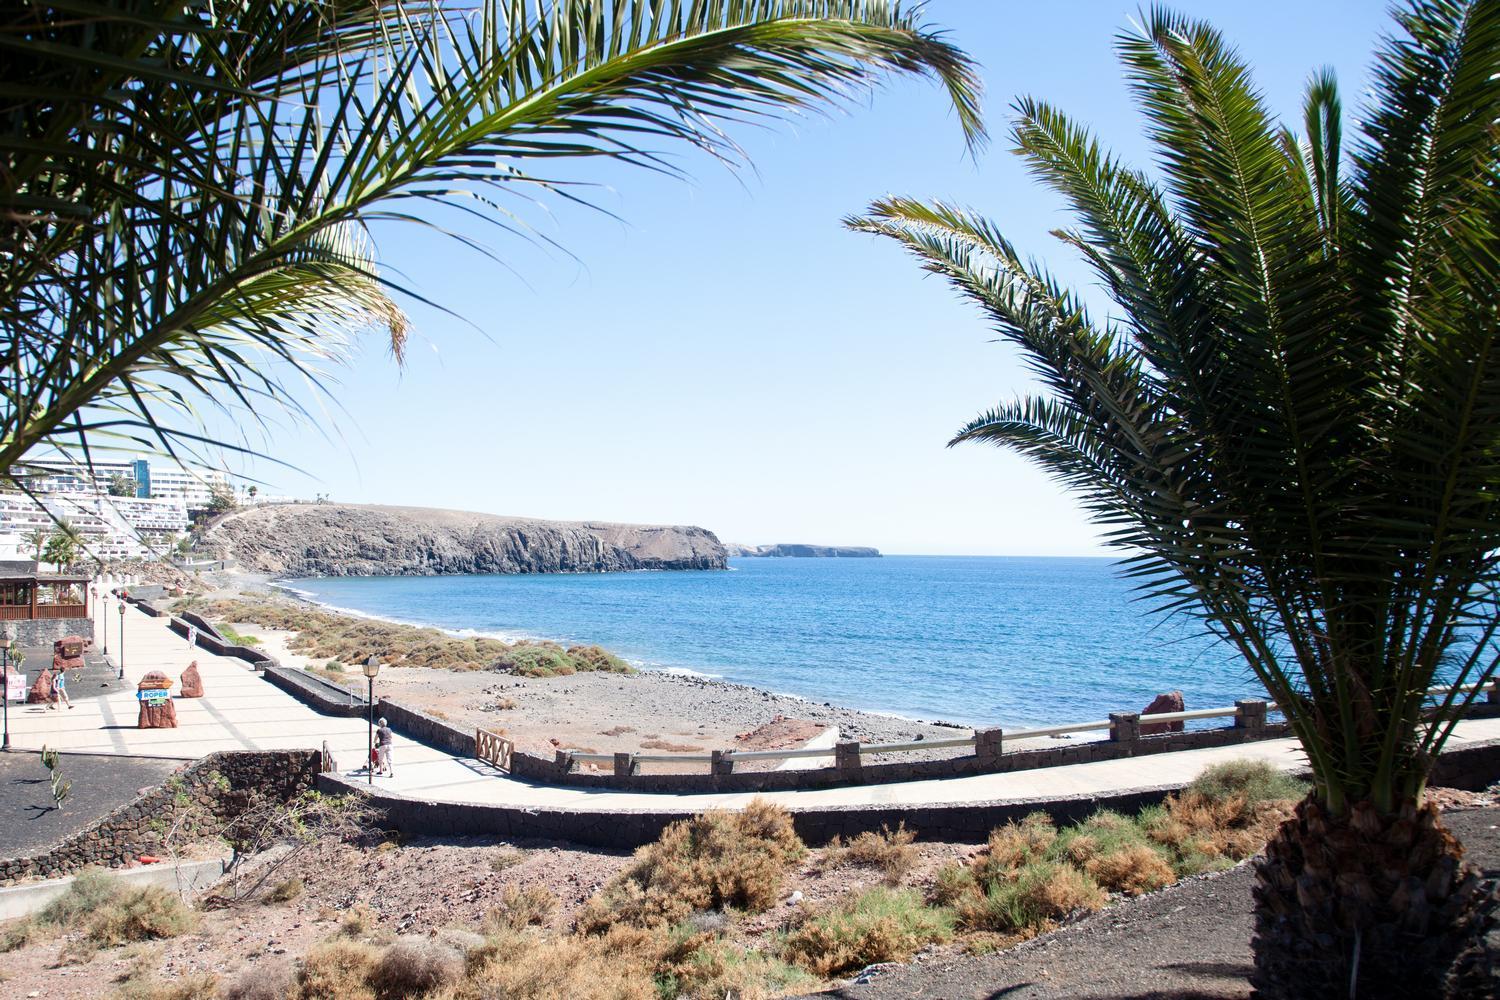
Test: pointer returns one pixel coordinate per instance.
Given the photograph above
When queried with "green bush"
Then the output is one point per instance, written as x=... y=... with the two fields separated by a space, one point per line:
x=1255 y=781
x=597 y=658
x=536 y=659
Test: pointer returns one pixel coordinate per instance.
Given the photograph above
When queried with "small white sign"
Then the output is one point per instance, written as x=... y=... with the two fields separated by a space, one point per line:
x=15 y=687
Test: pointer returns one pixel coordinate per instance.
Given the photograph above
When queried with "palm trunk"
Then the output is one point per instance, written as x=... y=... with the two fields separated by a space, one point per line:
x=1369 y=906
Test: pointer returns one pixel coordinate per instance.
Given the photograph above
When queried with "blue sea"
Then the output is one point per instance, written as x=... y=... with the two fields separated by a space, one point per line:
x=974 y=640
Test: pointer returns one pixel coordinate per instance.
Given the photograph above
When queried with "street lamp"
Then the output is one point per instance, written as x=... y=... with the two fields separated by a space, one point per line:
x=123 y=595
x=5 y=681
x=372 y=667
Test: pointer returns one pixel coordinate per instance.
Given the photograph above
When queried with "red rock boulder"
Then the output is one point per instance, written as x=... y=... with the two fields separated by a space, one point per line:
x=192 y=682
x=1169 y=702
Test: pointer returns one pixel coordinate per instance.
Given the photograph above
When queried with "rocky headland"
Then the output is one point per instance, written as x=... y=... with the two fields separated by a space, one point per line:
x=797 y=551
x=324 y=539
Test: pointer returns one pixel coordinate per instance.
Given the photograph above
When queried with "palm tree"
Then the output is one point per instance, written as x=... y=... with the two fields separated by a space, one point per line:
x=36 y=540
x=63 y=544
x=1291 y=421
x=185 y=188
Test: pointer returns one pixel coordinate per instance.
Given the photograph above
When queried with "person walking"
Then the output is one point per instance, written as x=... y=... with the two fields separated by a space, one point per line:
x=384 y=738
x=60 y=690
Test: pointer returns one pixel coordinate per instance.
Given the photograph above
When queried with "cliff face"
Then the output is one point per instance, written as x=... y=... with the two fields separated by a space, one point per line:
x=805 y=551
x=361 y=540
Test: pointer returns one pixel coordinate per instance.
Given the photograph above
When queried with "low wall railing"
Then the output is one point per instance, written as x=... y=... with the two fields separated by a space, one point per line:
x=1250 y=716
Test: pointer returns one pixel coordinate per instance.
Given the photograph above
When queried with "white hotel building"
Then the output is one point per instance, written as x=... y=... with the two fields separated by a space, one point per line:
x=112 y=528
x=193 y=488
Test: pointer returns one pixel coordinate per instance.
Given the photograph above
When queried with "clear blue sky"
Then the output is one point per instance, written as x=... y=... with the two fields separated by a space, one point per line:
x=730 y=356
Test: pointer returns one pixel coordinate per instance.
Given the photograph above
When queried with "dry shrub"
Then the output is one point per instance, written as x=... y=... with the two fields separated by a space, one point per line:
x=19 y=933
x=1205 y=832
x=878 y=925
x=337 y=969
x=715 y=860
x=953 y=883
x=520 y=908
x=525 y=967
x=146 y=986
x=892 y=851
x=358 y=920
x=1134 y=870
x=144 y=914
x=413 y=966
x=267 y=981
x=1015 y=845
x=669 y=746
x=285 y=892
x=706 y=966
x=1030 y=899
x=506 y=859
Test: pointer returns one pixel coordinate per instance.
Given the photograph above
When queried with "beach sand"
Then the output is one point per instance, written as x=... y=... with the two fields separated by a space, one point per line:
x=649 y=711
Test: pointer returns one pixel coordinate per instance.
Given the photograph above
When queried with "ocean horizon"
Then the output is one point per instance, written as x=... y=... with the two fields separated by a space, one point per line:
x=976 y=640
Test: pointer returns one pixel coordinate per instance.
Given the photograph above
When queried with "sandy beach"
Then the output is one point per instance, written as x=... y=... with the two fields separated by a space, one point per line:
x=647 y=711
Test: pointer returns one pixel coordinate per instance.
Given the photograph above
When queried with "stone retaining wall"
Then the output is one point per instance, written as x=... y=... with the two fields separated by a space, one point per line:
x=46 y=631
x=210 y=639
x=1474 y=766
x=854 y=771
x=217 y=788
x=419 y=725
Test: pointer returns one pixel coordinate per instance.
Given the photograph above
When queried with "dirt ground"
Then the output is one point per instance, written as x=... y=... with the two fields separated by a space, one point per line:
x=1190 y=940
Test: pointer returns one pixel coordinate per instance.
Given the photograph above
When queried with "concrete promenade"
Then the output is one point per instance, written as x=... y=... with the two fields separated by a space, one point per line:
x=240 y=711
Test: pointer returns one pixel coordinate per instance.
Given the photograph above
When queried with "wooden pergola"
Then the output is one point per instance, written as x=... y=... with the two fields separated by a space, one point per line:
x=27 y=594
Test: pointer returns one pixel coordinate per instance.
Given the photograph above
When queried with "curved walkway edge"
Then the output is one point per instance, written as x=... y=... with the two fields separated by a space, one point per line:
x=1473 y=766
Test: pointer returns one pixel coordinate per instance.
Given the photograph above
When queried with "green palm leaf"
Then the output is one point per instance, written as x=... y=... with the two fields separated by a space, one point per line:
x=187 y=189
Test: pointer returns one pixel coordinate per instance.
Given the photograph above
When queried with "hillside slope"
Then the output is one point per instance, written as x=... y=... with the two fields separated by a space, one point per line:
x=364 y=540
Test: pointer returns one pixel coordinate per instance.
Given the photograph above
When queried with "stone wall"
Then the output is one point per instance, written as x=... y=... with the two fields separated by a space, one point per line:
x=210 y=639
x=44 y=632
x=1472 y=766
x=206 y=793
x=855 y=770
x=418 y=725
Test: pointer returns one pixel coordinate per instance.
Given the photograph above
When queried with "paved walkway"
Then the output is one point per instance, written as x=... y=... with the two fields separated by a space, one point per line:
x=240 y=711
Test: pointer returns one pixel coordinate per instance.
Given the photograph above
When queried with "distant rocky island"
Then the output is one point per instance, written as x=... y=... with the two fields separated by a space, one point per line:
x=326 y=539
x=803 y=551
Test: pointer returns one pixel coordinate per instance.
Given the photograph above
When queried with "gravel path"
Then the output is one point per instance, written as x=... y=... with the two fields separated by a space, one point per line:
x=1188 y=942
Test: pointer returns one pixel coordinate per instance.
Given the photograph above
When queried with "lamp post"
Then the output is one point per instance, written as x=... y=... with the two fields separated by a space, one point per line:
x=372 y=667
x=122 y=597
x=104 y=614
x=5 y=681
